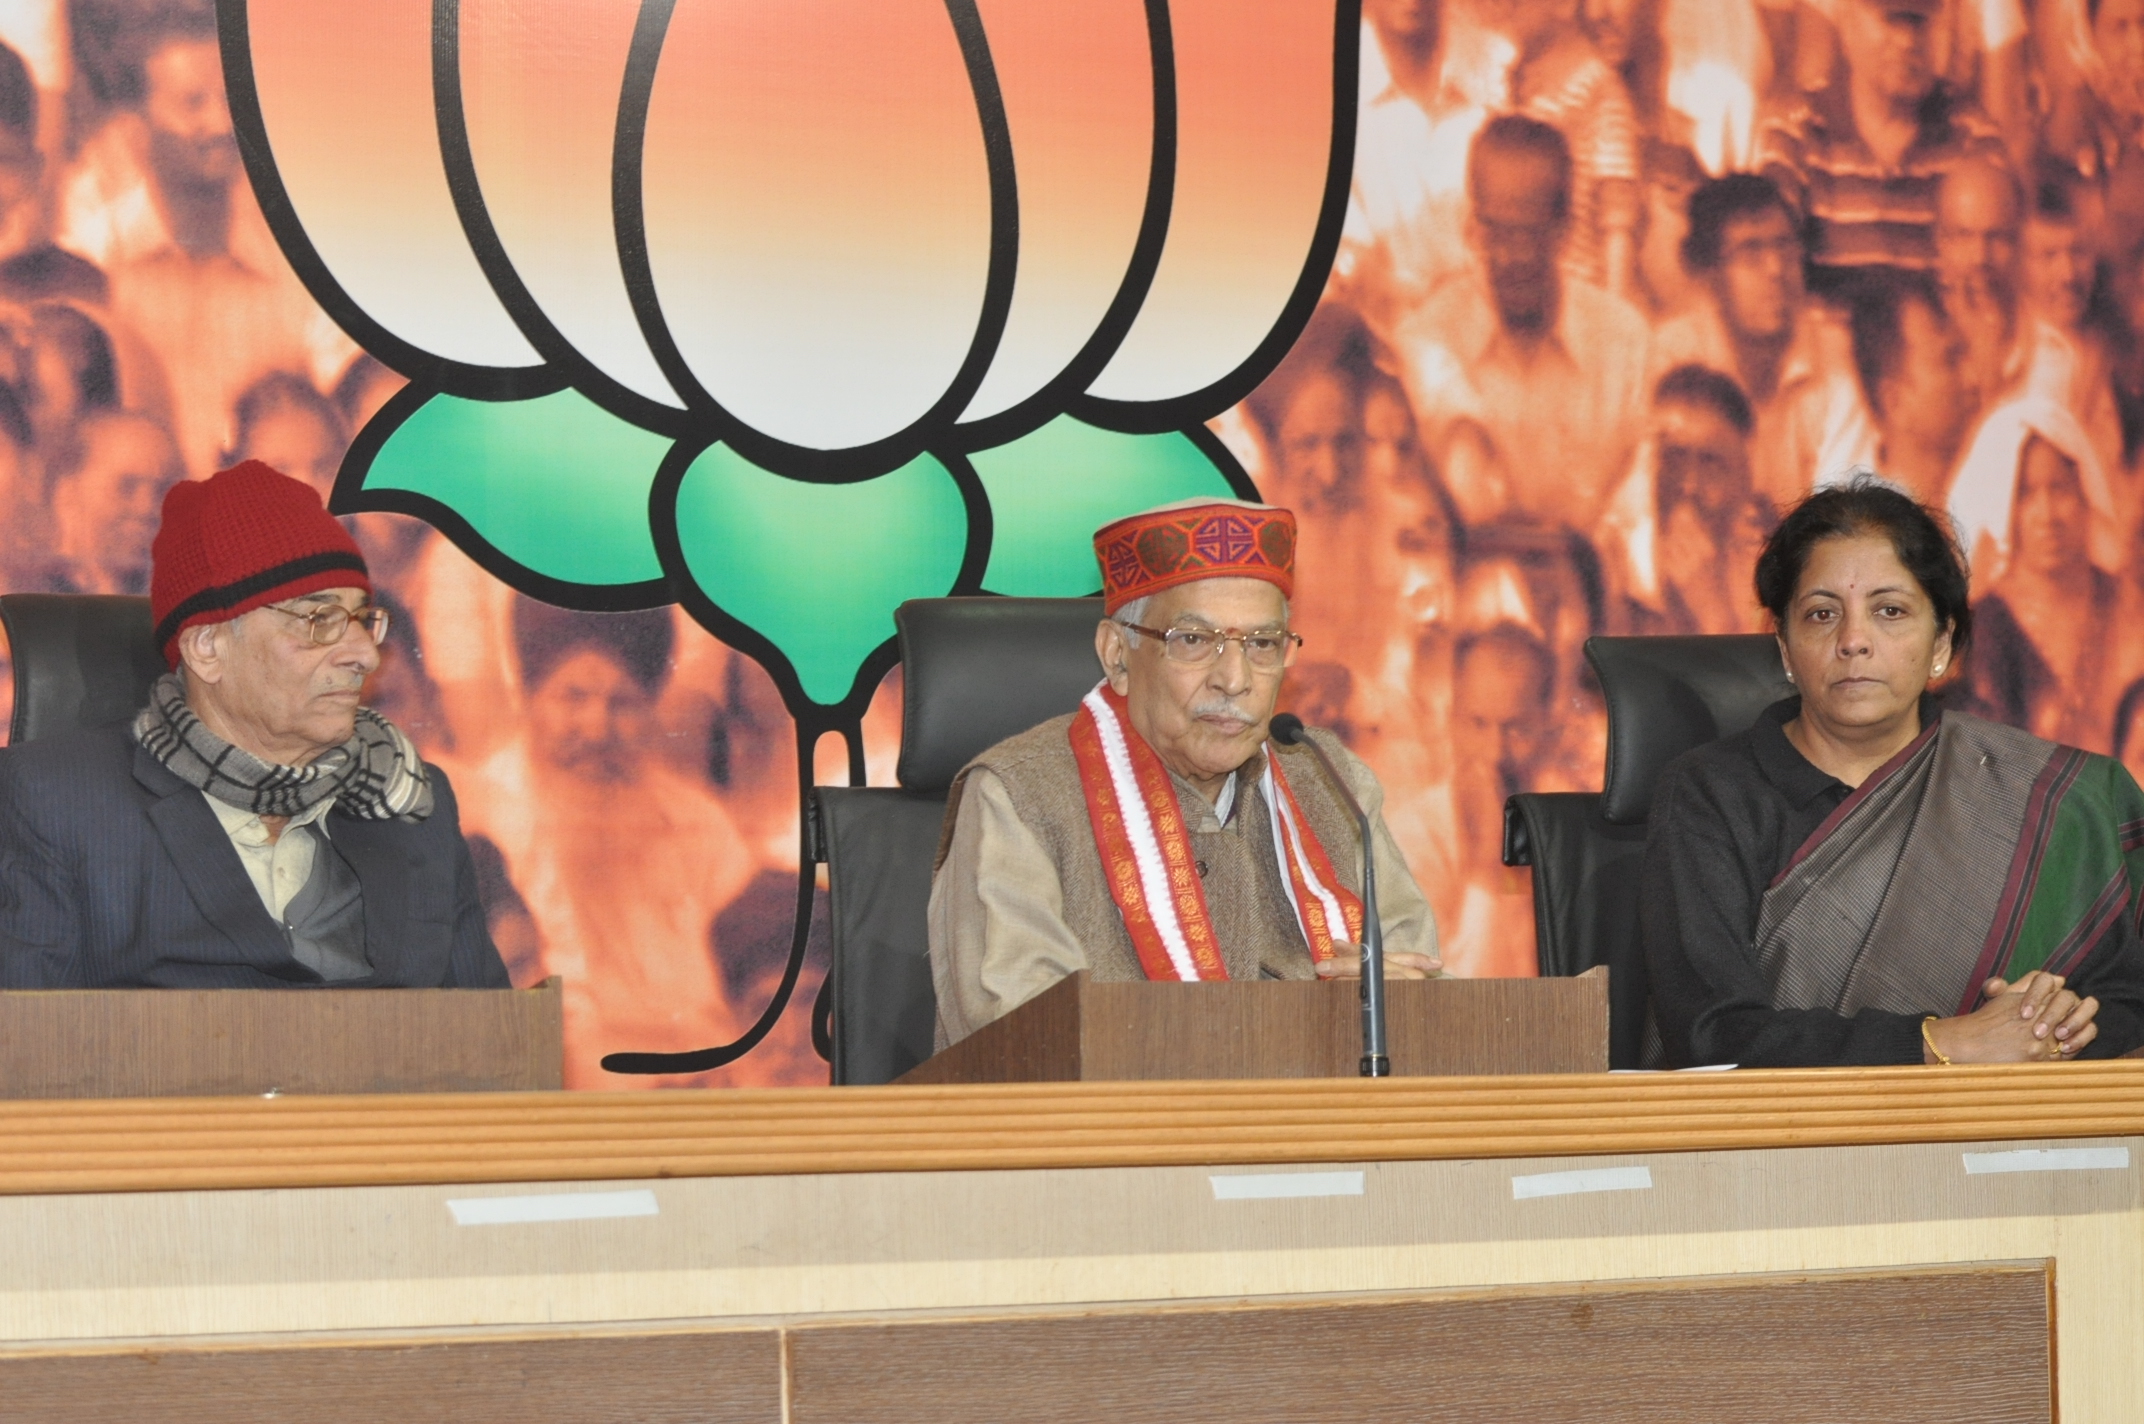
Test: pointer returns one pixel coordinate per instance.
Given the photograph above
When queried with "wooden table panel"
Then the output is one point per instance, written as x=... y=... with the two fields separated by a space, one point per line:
x=144 y=1043
x=1943 y=1346
x=1909 y=1346
x=730 y=1377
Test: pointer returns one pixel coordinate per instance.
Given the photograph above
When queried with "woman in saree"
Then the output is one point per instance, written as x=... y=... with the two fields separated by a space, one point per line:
x=2042 y=528
x=1858 y=879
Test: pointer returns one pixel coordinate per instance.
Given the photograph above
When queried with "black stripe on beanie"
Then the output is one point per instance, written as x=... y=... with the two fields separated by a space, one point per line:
x=230 y=595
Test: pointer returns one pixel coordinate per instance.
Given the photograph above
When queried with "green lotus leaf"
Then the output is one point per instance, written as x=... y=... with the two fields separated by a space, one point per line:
x=817 y=569
x=1050 y=490
x=555 y=483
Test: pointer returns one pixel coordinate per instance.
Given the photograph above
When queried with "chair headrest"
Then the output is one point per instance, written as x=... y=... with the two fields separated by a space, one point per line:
x=978 y=670
x=81 y=660
x=1669 y=695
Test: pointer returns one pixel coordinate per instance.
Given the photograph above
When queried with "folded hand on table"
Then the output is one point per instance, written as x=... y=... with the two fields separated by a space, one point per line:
x=2035 y=1020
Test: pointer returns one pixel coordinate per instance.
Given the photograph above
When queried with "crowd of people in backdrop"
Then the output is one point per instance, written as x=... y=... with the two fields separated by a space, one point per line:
x=1621 y=280
x=628 y=784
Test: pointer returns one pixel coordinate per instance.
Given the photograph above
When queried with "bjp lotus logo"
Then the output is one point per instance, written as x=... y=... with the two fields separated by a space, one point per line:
x=795 y=309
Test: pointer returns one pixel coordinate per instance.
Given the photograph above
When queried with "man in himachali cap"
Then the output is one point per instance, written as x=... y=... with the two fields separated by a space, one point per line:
x=1156 y=833
x=253 y=826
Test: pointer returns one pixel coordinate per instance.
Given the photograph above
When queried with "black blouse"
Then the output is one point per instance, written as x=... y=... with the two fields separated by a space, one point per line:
x=1726 y=818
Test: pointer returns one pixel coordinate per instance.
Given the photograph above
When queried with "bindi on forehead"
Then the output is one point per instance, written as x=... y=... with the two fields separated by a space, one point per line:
x=1854 y=561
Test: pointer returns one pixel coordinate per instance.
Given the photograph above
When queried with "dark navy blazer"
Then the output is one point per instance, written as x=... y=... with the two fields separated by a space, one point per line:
x=115 y=874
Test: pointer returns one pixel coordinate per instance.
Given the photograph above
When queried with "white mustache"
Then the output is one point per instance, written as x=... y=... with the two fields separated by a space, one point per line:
x=1223 y=707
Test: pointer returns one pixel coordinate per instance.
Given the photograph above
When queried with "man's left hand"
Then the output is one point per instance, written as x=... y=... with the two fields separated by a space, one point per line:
x=1346 y=963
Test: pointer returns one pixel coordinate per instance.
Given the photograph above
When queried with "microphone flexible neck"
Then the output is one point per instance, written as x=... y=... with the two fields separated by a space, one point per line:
x=1288 y=730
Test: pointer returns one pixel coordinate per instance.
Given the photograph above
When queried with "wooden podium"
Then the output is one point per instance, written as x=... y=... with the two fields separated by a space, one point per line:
x=1082 y=1030
x=149 y=1043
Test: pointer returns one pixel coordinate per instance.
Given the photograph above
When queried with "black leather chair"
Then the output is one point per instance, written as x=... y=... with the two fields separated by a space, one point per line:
x=974 y=672
x=1665 y=696
x=81 y=660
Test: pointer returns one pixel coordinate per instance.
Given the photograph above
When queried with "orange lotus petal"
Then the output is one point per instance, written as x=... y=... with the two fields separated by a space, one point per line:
x=1254 y=117
x=346 y=97
x=816 y=199
x=540 y=83
x=1078 y=81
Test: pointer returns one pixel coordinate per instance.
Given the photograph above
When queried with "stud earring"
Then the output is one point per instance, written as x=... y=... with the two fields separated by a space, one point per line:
x=1790 y=677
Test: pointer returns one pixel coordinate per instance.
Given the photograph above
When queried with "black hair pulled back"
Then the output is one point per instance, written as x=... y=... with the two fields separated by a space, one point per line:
x=1866 y=505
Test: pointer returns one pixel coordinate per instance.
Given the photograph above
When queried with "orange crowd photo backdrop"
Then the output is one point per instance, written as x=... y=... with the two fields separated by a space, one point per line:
x=656 y=351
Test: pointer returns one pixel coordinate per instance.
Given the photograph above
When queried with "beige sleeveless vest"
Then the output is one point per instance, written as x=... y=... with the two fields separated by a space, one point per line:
x=1256 y=926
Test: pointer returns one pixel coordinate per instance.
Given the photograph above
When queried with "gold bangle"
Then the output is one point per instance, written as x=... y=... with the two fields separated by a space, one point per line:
x=1929 y=1039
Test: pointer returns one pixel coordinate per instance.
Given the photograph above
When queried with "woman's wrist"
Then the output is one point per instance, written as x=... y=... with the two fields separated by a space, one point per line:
x=1931 y=1051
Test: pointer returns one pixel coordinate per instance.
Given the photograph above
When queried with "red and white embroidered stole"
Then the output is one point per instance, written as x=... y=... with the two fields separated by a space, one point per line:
x=1146 y=851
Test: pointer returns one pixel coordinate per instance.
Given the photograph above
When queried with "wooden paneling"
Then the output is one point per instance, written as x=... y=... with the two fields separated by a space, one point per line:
x=1080 y=1029
x=1956 y=1345
x=685 y=1378
x=116 y=1146
x=142 y=1043
x=1948 y=1346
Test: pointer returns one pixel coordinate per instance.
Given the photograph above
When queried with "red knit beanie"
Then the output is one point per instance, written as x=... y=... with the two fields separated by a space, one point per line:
x=239 y=540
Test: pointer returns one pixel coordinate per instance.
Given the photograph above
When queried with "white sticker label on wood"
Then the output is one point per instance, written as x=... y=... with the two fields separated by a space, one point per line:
x=1593 y=1179
x=553 y=1206
x=2048 y=1159
x=1267 y=1186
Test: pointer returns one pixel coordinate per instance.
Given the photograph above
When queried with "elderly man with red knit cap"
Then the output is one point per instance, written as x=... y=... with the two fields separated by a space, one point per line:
x=254 y=826
x=1156 y=833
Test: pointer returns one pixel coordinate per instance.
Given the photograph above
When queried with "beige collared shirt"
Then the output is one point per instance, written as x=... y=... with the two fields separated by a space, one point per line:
x=280 y=867
x=1564 y=412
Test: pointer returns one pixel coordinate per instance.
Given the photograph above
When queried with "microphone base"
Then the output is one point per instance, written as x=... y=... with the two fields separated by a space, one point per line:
x=1376 y=1065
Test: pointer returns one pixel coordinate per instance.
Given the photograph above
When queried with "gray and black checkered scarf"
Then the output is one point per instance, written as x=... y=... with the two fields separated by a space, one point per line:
x=376 y=775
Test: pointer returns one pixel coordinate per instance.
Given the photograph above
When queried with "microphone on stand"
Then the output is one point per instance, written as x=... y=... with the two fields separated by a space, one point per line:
x=1288 y=730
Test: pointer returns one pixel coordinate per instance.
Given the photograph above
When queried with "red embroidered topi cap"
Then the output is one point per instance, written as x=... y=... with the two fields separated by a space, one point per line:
x=1195 y=539
x=239 y=540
